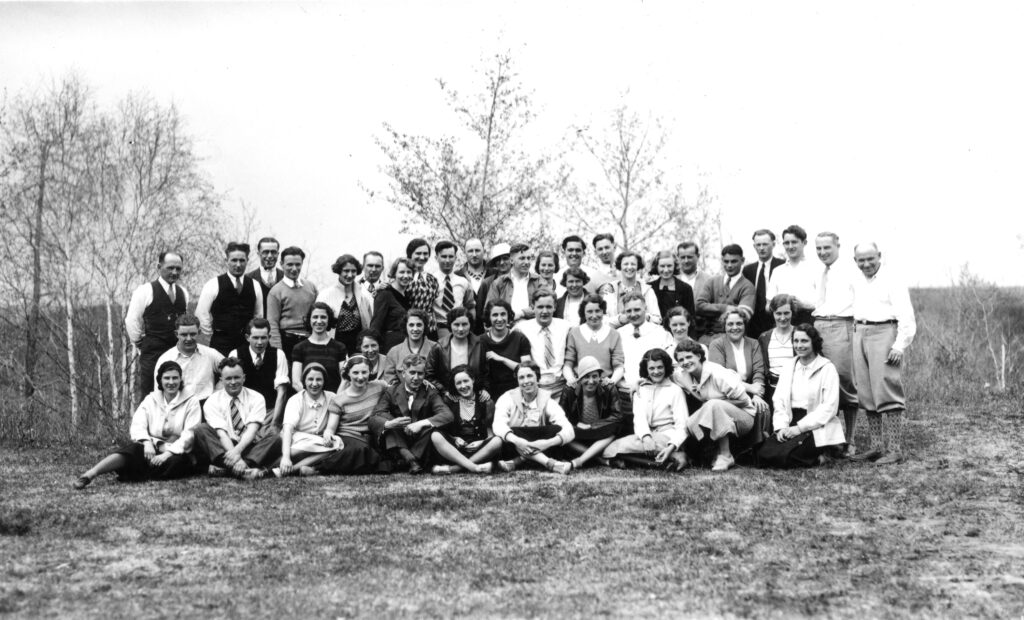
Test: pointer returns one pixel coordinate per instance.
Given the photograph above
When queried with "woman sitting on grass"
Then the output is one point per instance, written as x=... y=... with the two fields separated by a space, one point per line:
x=530 y=423
x=593 y=409
x=348 y=415
x=659 y=419
x=160 y=434
x=467 y=443
x=726 y=410
x=807 y=401
x=305 y=418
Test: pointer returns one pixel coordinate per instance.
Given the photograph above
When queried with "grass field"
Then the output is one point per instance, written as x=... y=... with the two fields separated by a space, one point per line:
x=941 y=535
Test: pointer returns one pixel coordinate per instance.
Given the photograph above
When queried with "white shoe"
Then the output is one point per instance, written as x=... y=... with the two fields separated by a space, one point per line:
x=561 y=467
x=485 y=468
x=723 y=462
x=442 y=470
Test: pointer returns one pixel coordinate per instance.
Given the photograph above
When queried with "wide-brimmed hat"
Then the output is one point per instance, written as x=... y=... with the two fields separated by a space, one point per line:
x=500 y=249
x=586 y=366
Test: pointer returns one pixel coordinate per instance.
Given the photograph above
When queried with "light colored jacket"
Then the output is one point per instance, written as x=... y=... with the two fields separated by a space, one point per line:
x=822 y=403
x=167 y=425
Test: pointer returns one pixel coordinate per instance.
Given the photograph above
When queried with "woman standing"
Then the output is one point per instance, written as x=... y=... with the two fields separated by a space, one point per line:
x=726 y=411
x=668 y=289
x=391 y=303
x=352 y=304
x=160 y=434
x=629 y=266
x=531 y=424
x=423 y=287
x=347 y=421
x=567 y=307
x=319 y=347
x=806 y=401
x=594 y=338
x=678 y=321
x=305 y=418
x=504 y=349
x=467 y=443
x=546 y=267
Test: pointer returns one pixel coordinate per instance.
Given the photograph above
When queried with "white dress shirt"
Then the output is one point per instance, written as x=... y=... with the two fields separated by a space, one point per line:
x=535 y=334
x=651 y=337
x=834 y=291
x=198 y=371
x=797 y=279
x=141 y=298
x=280 y=375
x=252 y=409
x=885 y=298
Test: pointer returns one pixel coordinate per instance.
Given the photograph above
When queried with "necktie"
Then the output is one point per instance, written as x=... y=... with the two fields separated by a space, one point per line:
x=760 y=292
x=636 y=332
x=549 y=349
x=259 y=360
x=824 y=285
x=371 y=288
x=172 y=293
x=236 y=417
x=238 y=285
x=448 y=299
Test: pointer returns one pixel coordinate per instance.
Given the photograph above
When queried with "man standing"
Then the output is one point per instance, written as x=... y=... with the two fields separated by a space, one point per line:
x=797 y=277
x=406 y=414
x=729 y=292
x=228 y=302
x=884 y=328
x=452 y=289
x=475 y=270
x=833 y=318
x=230 y=437
x=603 y=269
x=499 y=264
x=373 y=267
x=547 y=336
x=152 y=312
x=289 y=302
x=760 y=272
x=266 y=370
x=574 y=250
x=518 y=285
x=198 y=362
x=267 y=274
x=688 y=254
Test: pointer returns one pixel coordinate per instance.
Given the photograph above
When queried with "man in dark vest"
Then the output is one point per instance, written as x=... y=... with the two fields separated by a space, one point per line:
x=151 y=315
x=266 y=370
x=268 y=273
x=228 y=302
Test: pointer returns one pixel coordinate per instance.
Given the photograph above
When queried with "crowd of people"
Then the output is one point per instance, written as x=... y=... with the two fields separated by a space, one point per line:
x=518 y=358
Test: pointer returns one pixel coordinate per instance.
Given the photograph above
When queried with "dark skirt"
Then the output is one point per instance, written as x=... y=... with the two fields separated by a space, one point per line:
x=529 y=433
x=596 y=433
x=358 y=457
x=137 y=469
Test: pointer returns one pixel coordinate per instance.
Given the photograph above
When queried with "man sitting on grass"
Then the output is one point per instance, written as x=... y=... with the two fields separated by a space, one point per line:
x=407 y=413
x=230 y=437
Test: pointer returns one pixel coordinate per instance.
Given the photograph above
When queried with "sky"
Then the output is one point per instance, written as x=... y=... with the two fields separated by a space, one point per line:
x=899 y=122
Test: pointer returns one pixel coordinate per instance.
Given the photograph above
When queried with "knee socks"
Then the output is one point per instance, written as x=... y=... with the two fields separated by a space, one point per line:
x=895 y=423
x=875 y=430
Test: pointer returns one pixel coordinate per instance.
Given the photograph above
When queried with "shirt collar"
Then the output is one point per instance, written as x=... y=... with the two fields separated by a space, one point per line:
x=297 y=283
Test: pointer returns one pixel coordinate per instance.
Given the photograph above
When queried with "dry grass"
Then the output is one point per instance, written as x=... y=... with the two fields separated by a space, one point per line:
x=941 y=536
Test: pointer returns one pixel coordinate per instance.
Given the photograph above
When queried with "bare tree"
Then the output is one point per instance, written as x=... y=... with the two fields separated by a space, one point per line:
x=624 y=186
x=89 y=198
x=480 y=184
